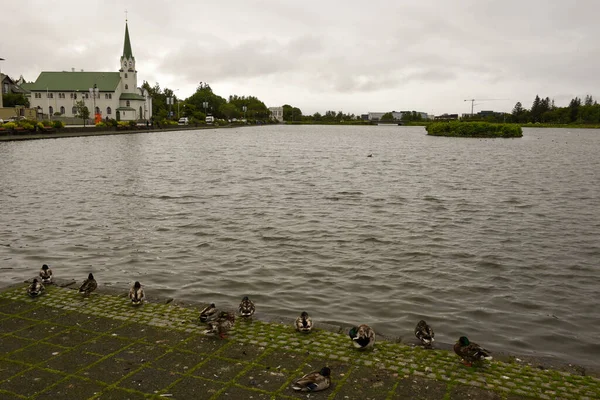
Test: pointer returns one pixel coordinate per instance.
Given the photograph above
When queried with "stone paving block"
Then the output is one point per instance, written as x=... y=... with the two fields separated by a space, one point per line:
x=71 y=361
x=149 y=380
x=217 y=369
x=265 y=379
x=236 y=392
x=36 y=353
x=8 y=369
x=72 y=388
x=286 y=360
x=40 y=331
x=13 y=324
x=415 y=388
x=18 y=307
x=141 y=353
x=465 y=392
x=151 y=334
x=12 y=343
x=43 y=313
x=190 y=387
x=106 y=345
x=179 y=361
x=202 y=344
x=71 y=338
x=30 y=382
x=368 y=384
x=241 y=351
x=102 y=324
x=120 y=394
x=109 y=371
x=72 y=319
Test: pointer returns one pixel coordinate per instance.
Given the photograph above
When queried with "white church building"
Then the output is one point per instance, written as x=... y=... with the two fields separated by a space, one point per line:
x=112 y=95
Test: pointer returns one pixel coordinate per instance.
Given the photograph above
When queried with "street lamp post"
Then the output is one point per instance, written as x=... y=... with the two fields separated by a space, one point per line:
x=1 y=86
x=94 y=92
x=205 y=105
x=244 y=109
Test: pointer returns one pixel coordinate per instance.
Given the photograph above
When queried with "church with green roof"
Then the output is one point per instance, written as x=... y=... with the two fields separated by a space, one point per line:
x=113 y=95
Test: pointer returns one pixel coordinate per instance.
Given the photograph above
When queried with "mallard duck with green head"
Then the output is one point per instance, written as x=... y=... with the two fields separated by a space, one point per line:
x=470 y=352
x=221 y=325
x=36 y=288
x=424 y=333
x=136 y=294
x=246 y=308
x=314 y=381
x=363 y=336
x=46 y=274
x=303 y=323
x=89 y=285
x=209 y=313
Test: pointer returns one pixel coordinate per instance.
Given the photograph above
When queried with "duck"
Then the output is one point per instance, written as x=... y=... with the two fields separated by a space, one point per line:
x=363 y=336
x=470 y=352
x=304 y=323
x=36 y=288
x=89 y=285
x=221 y=325
x=209 y=313
x=136 y=294
x=246 y=308
x=314 y=381
x=46 y=274
x=424 y=333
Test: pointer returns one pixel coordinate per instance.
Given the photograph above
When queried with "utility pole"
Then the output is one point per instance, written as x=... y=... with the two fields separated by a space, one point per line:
x=472 y=104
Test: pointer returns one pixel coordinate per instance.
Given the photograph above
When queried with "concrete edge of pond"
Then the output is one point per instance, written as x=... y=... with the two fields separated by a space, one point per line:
x=262 y=355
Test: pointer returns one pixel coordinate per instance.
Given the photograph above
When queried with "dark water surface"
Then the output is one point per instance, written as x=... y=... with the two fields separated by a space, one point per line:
x=495 y=239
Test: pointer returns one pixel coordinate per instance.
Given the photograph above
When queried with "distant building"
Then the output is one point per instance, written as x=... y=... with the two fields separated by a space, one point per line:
x=397 y=115
x=446 y=117
x=277 y=113
x=118 y=95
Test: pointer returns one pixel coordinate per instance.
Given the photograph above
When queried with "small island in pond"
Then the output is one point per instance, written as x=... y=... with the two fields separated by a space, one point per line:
x=474 y=129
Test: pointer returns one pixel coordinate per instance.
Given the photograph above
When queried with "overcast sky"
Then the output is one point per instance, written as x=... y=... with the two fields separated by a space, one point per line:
x=354 y=56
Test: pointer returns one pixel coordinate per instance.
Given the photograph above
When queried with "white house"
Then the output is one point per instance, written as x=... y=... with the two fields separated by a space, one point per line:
x=277 y=113
x=107 y=94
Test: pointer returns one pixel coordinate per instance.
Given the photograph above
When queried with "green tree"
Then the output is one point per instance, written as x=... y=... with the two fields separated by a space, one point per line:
x=205 y=94
x=387 y=117
x=14 y=99
x=82 y=111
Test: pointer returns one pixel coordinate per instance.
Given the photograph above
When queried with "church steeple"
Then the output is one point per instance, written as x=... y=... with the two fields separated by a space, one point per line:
x=127 y=46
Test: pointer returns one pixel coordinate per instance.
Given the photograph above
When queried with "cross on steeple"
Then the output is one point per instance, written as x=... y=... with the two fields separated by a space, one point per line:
x=125 y=15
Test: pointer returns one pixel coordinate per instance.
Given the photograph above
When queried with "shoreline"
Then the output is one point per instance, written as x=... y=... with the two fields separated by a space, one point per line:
x=93 y=131
x=532 y=361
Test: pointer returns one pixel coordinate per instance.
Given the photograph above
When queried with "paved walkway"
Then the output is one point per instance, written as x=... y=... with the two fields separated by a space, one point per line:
x=62 y=346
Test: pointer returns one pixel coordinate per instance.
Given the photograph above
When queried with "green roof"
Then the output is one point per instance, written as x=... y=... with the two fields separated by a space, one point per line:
x=131 y=96
x=125 y=109
x=72 y=81
x=127 y=46
x=27 y=86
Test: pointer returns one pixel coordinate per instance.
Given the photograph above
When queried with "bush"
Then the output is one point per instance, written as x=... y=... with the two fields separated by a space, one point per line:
x=101 y=124
x=112 y=122
x=9 y=125
x=40 y=126
x=58 y=124
x=132 y=123
x=473 y=129
x=27 y=125
x=46 y=123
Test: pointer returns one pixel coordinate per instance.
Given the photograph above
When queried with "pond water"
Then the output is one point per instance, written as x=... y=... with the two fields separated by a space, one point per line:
x=496 y=239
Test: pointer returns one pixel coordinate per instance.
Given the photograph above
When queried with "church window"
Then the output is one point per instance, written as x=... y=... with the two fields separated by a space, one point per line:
x=106 y=95
x=125 y=75
x=50 y=95
x=126 y=87
x=50 y=110
x=97 y=110
x=86 y=96
x=110 y=95
x=74 y=110
x=62 y=110
x=108 y=110
x=128 y=103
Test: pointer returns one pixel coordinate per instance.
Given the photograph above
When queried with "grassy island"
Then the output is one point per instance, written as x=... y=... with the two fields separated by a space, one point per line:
x=474 y=129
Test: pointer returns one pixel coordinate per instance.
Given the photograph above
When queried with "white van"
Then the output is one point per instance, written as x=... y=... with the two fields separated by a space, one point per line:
x=183 y=121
